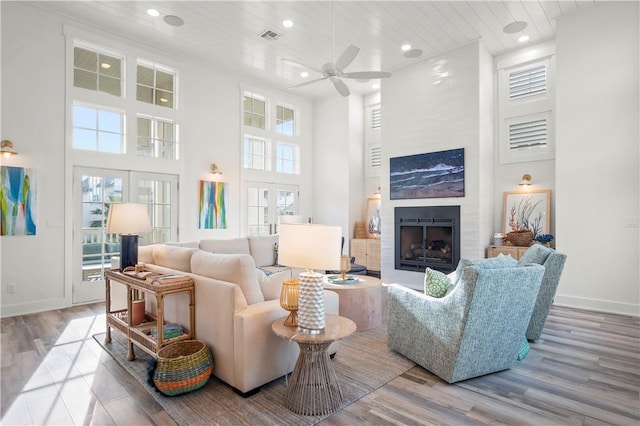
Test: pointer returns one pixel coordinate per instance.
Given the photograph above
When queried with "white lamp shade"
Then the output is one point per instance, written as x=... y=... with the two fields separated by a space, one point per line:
x=291 y=219
x=309 y=246
x=128 y=218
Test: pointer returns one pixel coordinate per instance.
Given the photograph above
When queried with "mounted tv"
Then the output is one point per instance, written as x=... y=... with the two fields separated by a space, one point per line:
x=431 y=175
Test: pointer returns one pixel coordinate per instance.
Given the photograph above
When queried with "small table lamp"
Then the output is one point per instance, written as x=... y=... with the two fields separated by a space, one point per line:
x=310 y=247
x=128 y=219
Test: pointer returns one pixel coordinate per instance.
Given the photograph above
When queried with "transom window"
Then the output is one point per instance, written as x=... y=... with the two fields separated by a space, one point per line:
x=286 y=158
x=285 y=122
x=97 y=129
x=155 y=86
x=254 y=112
x=157 y=138
x=97 y=71
x=256 y=153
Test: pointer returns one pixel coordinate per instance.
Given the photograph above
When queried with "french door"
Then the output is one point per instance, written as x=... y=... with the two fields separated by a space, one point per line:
x=265 y=202
x=94 y=192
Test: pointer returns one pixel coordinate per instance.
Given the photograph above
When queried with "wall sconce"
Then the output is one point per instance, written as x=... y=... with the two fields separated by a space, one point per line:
x=214 y=169
x=526 y=180
x=7 y=149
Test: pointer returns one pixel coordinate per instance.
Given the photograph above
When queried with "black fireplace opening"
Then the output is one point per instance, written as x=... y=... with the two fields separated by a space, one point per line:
x=427 y=237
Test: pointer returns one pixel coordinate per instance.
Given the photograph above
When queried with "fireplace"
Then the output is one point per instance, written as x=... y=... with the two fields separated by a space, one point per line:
x=427 y=237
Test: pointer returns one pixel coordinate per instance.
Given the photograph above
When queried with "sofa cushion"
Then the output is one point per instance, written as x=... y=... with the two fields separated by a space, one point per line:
x=263 y=250
x=188 y=244
x=436 y=283
x=145 y=253
x=228 y=246
x=271 y=284
x=173 y=257
x=537 y=253
x=234 y=268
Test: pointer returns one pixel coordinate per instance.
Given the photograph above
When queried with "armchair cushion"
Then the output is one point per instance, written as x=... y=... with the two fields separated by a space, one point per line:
x=537 y=253
x=436 y=283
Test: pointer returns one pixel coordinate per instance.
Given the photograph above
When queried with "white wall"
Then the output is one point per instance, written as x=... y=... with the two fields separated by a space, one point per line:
x=597 y=159
x=439 y=104
x=33 y=106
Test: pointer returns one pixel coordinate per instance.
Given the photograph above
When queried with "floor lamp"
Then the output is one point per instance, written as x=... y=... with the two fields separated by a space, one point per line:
x=310 y=247
x=128 y=220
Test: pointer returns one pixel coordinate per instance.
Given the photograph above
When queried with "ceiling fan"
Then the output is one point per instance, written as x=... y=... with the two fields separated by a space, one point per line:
x=334 y=70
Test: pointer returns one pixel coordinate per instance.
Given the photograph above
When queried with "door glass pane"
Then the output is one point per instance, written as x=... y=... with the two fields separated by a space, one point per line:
x=98 y=247
x=286 y=203
x=258 y=211
x=156 y=194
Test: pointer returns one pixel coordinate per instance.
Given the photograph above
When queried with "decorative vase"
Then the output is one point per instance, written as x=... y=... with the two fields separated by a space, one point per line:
x=137 y=312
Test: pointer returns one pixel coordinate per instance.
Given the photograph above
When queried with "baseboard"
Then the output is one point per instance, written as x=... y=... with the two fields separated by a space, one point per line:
x=597 y=305
x=33 y=307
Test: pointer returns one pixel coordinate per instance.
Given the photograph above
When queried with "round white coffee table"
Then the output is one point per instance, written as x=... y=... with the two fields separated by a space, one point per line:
x=361 y=302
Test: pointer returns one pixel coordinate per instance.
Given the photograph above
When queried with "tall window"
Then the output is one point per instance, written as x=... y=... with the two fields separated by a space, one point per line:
x=526 y=106
x=254 y=112
x=285 y=122
x=157 y=138
x=97 y=71
x=286 y=158
x=155 y=86
x=256 y=153
x=97 y=129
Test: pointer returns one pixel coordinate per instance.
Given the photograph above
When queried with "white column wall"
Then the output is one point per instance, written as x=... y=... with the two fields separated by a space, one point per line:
x=597 y=158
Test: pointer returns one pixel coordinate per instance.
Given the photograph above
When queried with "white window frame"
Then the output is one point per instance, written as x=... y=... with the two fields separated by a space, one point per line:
x=295 y=161
x=156 y=141
x=162 y=68
x=123 y=125
x=82 y=44
x=294 y=121
x=266 y=157
x=266 y=117
x=527 y=108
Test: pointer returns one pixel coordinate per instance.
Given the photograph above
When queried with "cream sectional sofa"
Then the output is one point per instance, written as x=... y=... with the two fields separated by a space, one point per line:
x=235 y=307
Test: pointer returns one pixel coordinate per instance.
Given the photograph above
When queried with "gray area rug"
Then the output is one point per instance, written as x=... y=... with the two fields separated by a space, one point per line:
x=364 y=362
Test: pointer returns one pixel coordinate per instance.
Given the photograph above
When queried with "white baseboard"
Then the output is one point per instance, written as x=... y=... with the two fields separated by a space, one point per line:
x=33 y=307
x=598 y=305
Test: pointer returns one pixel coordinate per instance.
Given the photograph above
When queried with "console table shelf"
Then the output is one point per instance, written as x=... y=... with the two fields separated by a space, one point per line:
x=141 y=335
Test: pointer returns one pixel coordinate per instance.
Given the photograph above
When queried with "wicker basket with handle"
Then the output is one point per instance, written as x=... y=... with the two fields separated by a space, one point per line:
x=182 y=367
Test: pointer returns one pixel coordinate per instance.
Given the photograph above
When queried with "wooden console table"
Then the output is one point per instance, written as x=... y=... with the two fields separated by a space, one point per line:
x=313 y=388
x=141 y=334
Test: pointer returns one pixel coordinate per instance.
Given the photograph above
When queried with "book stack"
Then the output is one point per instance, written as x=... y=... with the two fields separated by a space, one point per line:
x=169 y=279
x=169 y=331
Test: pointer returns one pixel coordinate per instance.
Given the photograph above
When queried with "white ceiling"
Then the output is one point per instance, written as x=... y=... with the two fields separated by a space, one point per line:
x=224 y=34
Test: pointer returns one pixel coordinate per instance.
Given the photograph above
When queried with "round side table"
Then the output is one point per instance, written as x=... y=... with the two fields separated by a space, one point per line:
x=361 y=301
x=313 y=388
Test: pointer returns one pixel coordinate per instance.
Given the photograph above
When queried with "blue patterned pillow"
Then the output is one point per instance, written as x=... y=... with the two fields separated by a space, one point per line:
x=435 y=283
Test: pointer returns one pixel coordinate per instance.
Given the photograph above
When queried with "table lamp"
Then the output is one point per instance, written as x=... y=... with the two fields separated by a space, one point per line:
x=310 y=247
x=128 y=219
x=289 y=300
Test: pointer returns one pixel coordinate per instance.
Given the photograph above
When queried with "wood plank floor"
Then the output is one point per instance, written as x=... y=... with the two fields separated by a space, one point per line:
x=585 y=370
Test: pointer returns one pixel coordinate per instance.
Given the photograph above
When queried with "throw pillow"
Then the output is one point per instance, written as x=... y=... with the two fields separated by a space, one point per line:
x=435 y=283
x=537 y=253
x=496 y=262
x=524 y=349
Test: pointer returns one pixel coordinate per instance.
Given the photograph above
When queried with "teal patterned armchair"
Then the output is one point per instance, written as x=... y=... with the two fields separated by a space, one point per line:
x=553 y=263
x=474 y=330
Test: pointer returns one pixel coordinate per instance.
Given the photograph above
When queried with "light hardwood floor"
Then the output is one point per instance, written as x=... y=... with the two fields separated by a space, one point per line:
x=585 y=370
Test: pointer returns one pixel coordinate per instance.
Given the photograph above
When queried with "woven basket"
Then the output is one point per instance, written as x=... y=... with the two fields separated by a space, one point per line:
x=182 y=367
x=520 y=238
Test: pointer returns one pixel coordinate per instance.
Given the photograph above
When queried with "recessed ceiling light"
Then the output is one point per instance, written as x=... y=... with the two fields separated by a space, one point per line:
x=413 y=53
x=304 y=74
x=105 y=66
x=287 y=23
x=153 y=12
x=514 y=27
x=406 y=47
x=523 y=38
x=173 y=20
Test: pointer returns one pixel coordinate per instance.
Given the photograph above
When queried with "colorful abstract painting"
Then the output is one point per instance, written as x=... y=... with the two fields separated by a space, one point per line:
x=17 y=201
x=212 y=213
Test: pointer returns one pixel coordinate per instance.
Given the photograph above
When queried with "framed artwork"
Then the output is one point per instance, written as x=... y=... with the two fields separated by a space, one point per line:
x=212 y=211
x=373 y=217
x=527 y=210
x=18 y=201
x=431 y=175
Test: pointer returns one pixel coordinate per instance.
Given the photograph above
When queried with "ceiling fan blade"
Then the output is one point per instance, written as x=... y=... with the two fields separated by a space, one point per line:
x=340 y=86
x=367 y=74
x=300 y=64
x=347 y=57
x=306 y=83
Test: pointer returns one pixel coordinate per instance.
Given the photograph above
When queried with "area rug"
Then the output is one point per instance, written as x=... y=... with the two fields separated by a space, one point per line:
x=364 y=362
